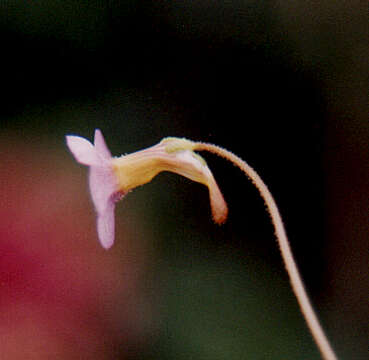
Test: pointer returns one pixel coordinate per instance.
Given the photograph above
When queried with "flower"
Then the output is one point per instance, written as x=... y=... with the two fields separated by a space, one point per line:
x=103 y=185
x=112 y=178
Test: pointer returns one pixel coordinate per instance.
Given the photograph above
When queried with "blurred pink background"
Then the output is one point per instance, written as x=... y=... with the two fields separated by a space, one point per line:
x=62 y=296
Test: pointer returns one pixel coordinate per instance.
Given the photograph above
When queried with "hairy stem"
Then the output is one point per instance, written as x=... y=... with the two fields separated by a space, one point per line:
x=284 y=246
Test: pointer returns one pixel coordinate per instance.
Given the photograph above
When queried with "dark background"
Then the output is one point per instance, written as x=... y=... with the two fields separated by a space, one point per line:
x=282 y=84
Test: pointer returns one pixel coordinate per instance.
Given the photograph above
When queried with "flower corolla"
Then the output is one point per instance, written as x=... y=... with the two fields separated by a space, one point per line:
x=111 y=178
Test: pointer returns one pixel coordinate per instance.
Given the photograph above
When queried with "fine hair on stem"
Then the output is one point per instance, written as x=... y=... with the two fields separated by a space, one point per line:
x=284 y=247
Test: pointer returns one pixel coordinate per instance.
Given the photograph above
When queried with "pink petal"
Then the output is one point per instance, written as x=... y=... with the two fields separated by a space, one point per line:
x=100 y=145
x=83 y=151
x=106 y=225
x=102 y=186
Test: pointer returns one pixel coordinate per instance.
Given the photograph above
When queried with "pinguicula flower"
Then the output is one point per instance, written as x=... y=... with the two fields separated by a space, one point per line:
x=111 y=178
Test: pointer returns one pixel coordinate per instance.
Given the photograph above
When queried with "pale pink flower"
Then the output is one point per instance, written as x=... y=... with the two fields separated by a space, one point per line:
x=111 y=178
x=103 y=184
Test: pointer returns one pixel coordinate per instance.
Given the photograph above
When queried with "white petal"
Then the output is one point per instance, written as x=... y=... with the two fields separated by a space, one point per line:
x=100 y=145
x=83 y=151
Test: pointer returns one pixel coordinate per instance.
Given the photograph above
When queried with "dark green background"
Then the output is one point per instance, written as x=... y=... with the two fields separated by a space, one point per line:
x=281 y=84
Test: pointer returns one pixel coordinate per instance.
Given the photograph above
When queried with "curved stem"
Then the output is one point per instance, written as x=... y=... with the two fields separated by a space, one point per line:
x=284 y=246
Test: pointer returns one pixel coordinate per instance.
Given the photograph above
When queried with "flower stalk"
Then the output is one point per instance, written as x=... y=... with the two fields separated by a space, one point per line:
x=112 y=178
x=284 y=247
